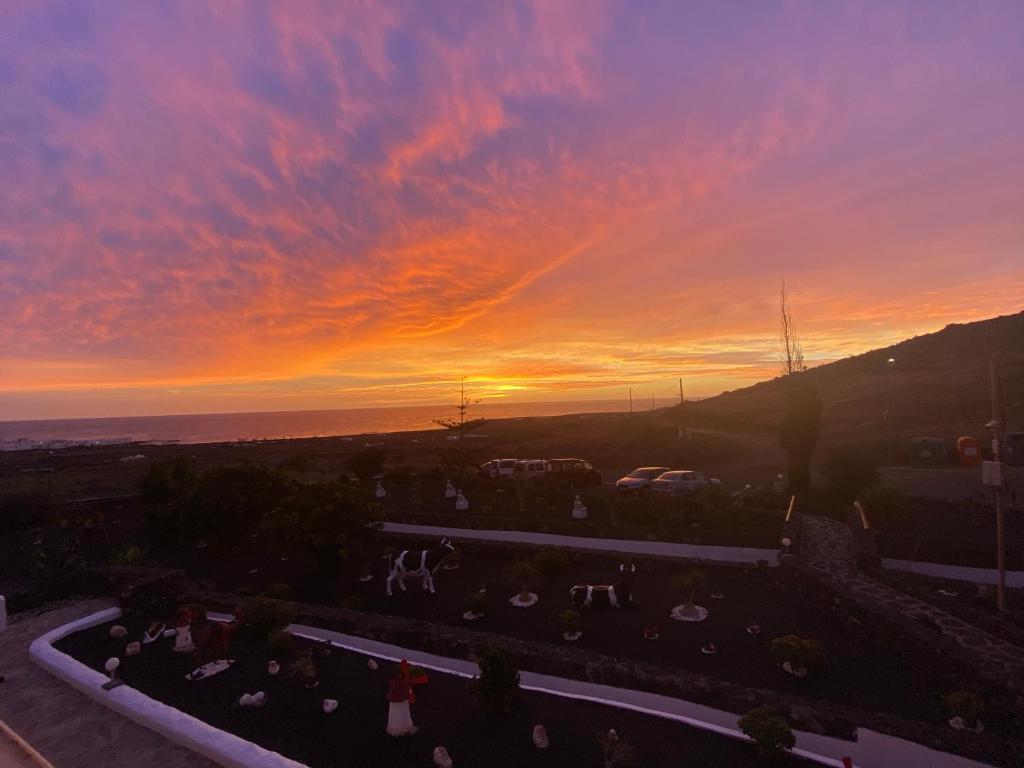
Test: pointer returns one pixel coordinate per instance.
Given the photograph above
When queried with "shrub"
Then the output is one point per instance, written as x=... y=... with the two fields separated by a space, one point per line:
x=964 y=704
x=169 y=480
x=296 y=463
x=155 y=601
x=259 y=616
x=228 y=501
x=19 y=511
x=800 y=652
x=162 y=524
x=330 y=520
x=848 y=470
x=281 y=643
x=769 y=731
x=366 y=463
x=688 y=582
x=551 y=561
x=128 y=556
x=570 y=621
x=498 y=682
x=279 y=591
x=525 y=573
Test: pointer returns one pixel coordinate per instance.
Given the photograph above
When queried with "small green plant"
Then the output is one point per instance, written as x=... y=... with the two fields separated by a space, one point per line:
x=498 y=682
x=526 y=574
x=551 y=561
x=800 y=656
x=769 y=731
x=259 y=616
x=281 y=643
x=476 y=603
x=128 y=556
x=687 y=583
x=570 y=621
x=965 y=705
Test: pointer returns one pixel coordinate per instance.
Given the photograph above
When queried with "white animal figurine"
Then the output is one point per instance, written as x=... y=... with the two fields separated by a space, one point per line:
x=418 y=564
x=579 y=511
x=441 y=758
x=540 y=737
x=449 y=490
x=380 y=493
x=460 y=502
x=257 y=699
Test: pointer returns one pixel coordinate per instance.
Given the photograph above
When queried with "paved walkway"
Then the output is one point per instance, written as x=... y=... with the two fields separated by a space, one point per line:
x=711 y=553
x=67 y=728
x=827 y=547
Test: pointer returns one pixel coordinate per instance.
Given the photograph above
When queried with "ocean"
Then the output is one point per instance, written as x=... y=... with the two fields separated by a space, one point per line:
x=228 y=427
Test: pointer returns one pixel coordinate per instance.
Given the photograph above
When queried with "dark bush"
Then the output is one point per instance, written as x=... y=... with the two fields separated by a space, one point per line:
x=498 y=682
x=331 y=520
x=281 y=643
x=162 y=524
x=22 y=510
x=259 y=616
x=769 y=731
x=169 y=480
x=366 y=463
x=228 y=501
x=153 y=601
x=849 y=470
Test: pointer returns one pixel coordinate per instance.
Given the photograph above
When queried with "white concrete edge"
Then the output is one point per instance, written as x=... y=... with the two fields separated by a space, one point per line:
x=707 y=552
x=1014 y=579
x=182 y=729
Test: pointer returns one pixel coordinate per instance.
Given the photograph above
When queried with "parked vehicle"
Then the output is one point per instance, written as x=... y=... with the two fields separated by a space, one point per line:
x=1013 y=449
x=682 y=482
x=572 y=474
x=529 y=470
x=498 y=468
x=639 y=479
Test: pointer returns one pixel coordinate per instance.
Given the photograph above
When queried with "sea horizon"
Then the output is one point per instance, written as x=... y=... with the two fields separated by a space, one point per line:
x=271 y=425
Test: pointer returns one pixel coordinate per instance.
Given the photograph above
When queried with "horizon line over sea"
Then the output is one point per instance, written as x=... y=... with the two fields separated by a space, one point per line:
x=270 y=425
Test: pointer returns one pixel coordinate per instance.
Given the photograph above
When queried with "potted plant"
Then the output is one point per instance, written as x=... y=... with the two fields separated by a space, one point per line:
x=769 y=731
x=966 y=708
x=498 y=682
x=475 y=606
x=687 y=583
x=799 y=656
x=525 y=573
x=570 y=622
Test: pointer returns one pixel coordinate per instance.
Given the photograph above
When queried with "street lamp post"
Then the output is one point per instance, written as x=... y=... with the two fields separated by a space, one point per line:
x=888 y=411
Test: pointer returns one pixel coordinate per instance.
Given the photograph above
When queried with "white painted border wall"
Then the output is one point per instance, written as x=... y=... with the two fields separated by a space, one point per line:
x=710 y=553
x=871 y=749
x=217 y=745
x=1014 y=579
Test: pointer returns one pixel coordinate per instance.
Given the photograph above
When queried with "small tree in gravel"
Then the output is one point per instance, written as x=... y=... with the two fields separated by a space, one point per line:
x=769 y=731
x=570 y=622
x=687 y=583
x=498 y=682
x=526 y=574
x=799 y=656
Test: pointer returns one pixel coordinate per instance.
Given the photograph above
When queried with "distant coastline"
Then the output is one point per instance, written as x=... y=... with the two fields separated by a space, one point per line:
x=230 y=427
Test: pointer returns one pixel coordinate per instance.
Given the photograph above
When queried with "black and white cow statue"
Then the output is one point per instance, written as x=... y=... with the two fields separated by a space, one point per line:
x=418 y=564
x=615 y=595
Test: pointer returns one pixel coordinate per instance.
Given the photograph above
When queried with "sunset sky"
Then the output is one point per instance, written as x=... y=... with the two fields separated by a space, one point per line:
x=233 y=206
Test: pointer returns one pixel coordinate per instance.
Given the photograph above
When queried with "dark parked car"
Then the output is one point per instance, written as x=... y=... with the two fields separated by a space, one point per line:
x=572 y=474
x=639 y=479
x=682 y=483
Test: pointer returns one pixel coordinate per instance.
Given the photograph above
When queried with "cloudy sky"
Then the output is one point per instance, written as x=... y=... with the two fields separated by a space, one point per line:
x=254 y=206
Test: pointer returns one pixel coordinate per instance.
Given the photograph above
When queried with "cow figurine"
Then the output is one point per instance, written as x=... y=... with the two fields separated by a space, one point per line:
x=616 y=595
x=422 y=564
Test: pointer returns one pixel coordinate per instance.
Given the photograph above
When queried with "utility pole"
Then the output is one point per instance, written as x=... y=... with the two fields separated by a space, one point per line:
x=681 y=400
x=652 y=405
x=993 y=475
x=630 y=401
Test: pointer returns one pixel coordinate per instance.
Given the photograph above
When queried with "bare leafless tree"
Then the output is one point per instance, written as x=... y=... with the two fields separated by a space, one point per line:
x=791 y=352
